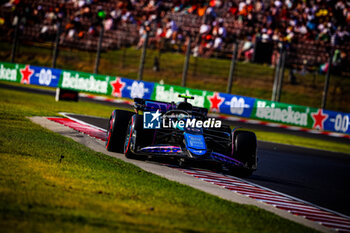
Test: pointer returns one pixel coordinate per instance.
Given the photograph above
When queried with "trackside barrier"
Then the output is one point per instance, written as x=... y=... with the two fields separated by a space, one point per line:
x=302 y=116
x=296 y=115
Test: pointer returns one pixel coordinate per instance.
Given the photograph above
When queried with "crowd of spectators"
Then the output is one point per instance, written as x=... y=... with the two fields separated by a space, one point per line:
x=323 y=20
x=326 y=21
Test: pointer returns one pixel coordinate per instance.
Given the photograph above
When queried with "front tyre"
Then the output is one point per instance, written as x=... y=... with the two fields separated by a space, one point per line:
x=130 y=139
x=137 y=137
x=116 y=130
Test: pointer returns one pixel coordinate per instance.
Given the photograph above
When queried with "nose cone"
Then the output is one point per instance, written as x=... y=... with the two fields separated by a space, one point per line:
x=195 y=143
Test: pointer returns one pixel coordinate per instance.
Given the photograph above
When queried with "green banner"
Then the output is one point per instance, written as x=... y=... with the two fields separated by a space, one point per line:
x=80 y=81
x=11 y=72
x=169 y=93
x=265 y=110
x=283 y=113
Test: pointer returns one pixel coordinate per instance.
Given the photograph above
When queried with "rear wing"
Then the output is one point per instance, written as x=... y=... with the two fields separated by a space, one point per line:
x=151 y=105
x=203 y=111
x=163 y=107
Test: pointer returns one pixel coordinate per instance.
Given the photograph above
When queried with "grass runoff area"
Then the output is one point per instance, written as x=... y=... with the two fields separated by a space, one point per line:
x=86 y=191
x=254 y=80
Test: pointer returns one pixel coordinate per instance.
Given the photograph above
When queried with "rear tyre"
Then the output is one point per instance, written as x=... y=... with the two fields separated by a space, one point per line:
x=245 y=145
x=116 y=130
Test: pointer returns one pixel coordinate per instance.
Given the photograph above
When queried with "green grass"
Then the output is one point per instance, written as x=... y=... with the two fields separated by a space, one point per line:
x=254 y=80
x=25 y=104
x=92 y=192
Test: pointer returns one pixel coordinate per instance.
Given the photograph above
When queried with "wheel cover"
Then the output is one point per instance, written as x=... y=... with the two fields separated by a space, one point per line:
x=109 y=131
x=128 y=136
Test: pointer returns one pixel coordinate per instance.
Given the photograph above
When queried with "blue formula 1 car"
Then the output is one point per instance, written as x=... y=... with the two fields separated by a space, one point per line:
x=183 y=132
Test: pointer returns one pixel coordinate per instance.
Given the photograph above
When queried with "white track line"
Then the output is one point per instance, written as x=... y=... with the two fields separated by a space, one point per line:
x=65 y=114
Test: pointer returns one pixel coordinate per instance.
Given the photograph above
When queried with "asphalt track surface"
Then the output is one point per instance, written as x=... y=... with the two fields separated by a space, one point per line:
x=317 y=176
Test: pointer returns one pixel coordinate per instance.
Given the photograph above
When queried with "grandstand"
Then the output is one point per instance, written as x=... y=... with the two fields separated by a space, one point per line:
x=309 y=29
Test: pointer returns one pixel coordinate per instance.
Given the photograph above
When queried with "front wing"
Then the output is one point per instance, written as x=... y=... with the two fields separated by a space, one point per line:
x=178 y=152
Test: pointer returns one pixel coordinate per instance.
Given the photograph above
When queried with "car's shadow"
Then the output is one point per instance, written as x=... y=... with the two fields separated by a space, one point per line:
x=276 y=181
x=216 y=168
x=189 y=165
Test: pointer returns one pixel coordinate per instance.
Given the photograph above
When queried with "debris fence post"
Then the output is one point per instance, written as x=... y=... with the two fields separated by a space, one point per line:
x=281 y=75
x=15 y=40
x=143 y=56
x=99 y=47
x=55 y=48
x=232 y=67
x=277 y=71
x=326 y=84
x=187 y=60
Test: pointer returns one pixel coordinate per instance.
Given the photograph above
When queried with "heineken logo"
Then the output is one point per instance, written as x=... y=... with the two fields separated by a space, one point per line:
x=84 y=84
x=275 y=113
x=117 y=87
x=26 y=74
x=215 y=102
x=8 y=73
x=172 y=95
x=319 y=118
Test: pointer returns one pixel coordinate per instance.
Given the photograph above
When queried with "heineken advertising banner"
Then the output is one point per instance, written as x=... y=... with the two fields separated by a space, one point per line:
x=302 y=116
x=28 y=74
x=234 y=104
x=332 y=121
x=215 y=101
x=11 y=72
x=307 y=117
x=170 y=93
x=106 y=85
x=44 y=76
x=282 y=113
x=128 y=88
x=79 y=81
